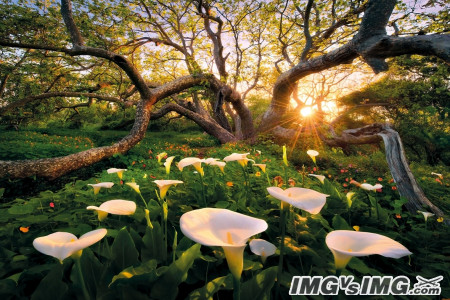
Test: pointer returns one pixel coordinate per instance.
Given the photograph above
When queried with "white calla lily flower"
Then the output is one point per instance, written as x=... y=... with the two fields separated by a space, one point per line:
x=63 y=244
x=320 y=177
x=241 y=158
x=312 y=154
x=118 y=171
x=369 y=187
x=194 y=161
x=306 y=199
x=168 y=163
x=134 y=186
x=262 y=248
x=438 y=175
x=219 y=164
x=224 y=228
x=98 y=186
x=210 y=160
x=426 y=214
x=344 y=244
x=160 y=156
x=349 y=196
x=164 y=186
x=115 y=207
x=261 y=166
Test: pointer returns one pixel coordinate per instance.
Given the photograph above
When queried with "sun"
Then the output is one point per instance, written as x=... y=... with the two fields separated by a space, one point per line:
x=306 y=112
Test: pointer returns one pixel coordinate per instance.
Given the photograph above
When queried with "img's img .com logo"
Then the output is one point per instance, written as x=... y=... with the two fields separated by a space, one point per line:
x=369 y=285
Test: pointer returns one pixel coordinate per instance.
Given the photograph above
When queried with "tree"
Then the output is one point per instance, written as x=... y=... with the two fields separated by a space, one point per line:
x=109 y=42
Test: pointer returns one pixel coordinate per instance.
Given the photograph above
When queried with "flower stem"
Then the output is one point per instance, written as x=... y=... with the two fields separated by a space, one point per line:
x=286 y=182
x=268 y=180
x=280 y=262
x=203 y=190
x=236 y=288
x=81 y=278
x=370 y=205
x=145 y=203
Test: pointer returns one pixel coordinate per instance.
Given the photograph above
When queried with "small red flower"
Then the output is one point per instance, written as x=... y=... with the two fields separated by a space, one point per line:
x=345 y=185
x=121 y=182
x=380 y=179
x=314 y=169
x=398 y=216
x=342 y=170
x=52 y=205
x=152 y=176
x=143 y=165
x=394 y=188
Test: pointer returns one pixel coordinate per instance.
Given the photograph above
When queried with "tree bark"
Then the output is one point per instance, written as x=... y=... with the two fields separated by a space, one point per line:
x=406 y=183
x=55 y=167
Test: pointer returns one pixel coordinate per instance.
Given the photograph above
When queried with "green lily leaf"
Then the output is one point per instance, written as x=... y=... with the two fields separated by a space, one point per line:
x=260 y=285
x=91 y=269
x=207 y=292
x=153 y=243
x=21 y=209
x=145 y=272
x=52 y=286
x=124 y=253
x=340 y=224
x=167 y=286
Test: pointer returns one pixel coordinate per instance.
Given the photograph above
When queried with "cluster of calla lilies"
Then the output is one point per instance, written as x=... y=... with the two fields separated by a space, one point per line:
x=228 y=229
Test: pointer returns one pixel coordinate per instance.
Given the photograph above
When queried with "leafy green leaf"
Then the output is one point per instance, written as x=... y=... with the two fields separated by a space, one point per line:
x=167 y=286
x=340 y=224
x=147 y=270
x=52 y=286
x=124 y=253
x=260 y=285
x=207 y=292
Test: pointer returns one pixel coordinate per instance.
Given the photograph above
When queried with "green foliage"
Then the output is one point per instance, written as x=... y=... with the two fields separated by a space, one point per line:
x=135 y=260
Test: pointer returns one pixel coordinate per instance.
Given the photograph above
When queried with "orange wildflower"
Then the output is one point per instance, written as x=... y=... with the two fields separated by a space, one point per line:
x=24 y=229
x=229 y=183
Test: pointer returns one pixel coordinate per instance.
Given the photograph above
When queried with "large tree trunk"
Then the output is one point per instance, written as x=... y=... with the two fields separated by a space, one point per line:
x=395 y=155
x=406 y=183
x=55 y=167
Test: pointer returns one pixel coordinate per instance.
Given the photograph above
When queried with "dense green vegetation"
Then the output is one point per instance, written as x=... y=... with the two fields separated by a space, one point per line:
x=27 y=272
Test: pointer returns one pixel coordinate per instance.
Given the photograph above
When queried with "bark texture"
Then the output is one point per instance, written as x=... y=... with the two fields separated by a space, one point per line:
x=406 y=183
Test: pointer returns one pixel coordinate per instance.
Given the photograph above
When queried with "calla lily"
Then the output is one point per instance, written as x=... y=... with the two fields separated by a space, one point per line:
x=118 y=171
x=261 y=166
x=210 y=160
x=262 y=248
x=98 y=186
x=438 y=175
x=225 y=228
x=285 y=156
x=312 y=154
x=63 y=244
x=425 y=214
x=344 y=244
x=369 y=187
x=164 y=186
x=349 y=198
x=168 y=163
x=219 y=164
x=195 y=161
x=161 y=156
x=320 y=177
x=134 y=186
x=115 y=207
x=215 y=162
x=241 y=158
x=302 y=198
